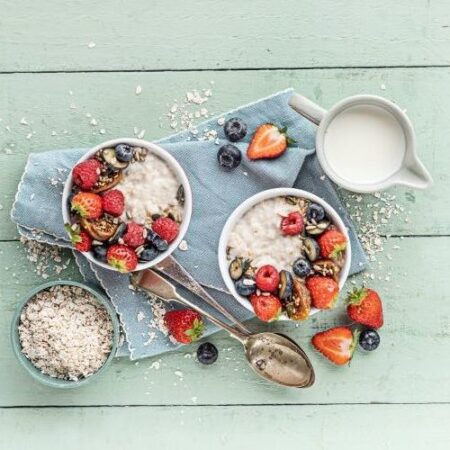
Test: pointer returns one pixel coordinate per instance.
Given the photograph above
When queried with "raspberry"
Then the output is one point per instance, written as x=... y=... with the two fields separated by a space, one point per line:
x=166 y=228
x=113 y=202
x=292 y=224
x=86 y=173
x=267 y=279
x=134 y=236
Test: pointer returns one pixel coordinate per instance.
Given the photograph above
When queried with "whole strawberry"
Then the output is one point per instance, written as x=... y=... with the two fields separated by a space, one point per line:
x=268 y=142
x=86 y=174
x=266 y=307
x=337 y=344
x=166 y=228
x=122 y=258
x=87 y=205
x=365 y=307
x=324 y=291
x=80 y=239
x=332 y=243
x=134 y=235
x=113 y=202
x=184 y=325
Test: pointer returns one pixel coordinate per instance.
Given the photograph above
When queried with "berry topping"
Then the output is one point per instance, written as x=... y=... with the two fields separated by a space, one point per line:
x=268 y=142
x=245 y=286
x=369 y=340
x=79 y=238
x=267 y=279
x=229 y=156
x=286 y=286
x=324 y=291
x=122 y=258
x=87 y=205
x=148 y=254
x=336 y=344
x=86 y=174
x=267 y=307
x=184 y=325
x=332 y=243
x=365 y=307
x=135 y=235
x=207 y=353
x=315 y=212
x=124 y=152
x=311 y=248
x=166 y=228
x=113 y=202
x=235 y=129
x=99 y=252
x=292 y=224
x=301 y=267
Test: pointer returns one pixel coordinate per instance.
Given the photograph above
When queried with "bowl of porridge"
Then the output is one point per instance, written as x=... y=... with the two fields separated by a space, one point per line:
x=286 y=247
x=126 y=204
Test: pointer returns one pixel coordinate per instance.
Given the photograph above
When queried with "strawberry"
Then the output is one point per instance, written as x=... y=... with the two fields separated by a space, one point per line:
x=337 y=344
x=121 y=257
x=292 y=224
x=113 y=202
x=134 y=235
x=87 y=205
x=166 y=228
x=79 y=238
x=86 y=174
x=268 y=142
x=184 y=325
x=324 y=291
x=365 y=307
x=267 y=307
x=332 y=243
x=267 y=278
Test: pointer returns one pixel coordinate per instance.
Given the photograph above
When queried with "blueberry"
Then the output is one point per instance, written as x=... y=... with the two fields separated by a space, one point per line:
x=301 y=267
x=245 y=286
x=286 y=285
x=235 y=129
x=207 y=353
x=148 y=254
x=124 y=152
x=99 y=252
x=315 y=212
x=369 y=340
x=229 y=156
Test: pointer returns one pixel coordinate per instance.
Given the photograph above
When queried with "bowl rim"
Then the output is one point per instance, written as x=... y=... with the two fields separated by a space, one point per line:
x=172 y=163
x=29 y=366
x=245 y=206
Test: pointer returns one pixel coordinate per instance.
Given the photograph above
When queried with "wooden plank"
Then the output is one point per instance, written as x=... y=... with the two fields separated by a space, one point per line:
x=53 y=36
x=45 y=102
x=394 y=427
x=410 y=366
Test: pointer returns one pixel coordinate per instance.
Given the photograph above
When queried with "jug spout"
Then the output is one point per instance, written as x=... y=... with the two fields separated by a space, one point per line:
x=415 y=176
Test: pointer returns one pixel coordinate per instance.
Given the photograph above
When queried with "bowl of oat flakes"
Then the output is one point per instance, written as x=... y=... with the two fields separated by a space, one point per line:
x=126 y=204
x=284 y=253
x=65 y=334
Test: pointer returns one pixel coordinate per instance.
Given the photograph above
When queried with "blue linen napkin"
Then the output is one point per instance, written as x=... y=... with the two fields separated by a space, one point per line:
x=216 y=194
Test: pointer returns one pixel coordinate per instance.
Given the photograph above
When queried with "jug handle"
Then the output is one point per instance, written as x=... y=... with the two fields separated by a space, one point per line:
x=307 y=108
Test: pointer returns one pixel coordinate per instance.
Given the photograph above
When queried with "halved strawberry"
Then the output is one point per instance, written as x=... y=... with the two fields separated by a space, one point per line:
x=267 y=307
x=324 y=291
x=332 y=243
x=87 y=205
x=337 y=344
x=268 y=142
x=365 y=307
x=121 y=257
x=79 y=238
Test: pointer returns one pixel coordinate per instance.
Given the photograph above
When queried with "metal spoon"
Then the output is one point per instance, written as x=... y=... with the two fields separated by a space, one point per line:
x=272 y=356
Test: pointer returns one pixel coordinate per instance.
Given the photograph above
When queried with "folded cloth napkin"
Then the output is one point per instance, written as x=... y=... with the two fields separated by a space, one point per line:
x=216 y=193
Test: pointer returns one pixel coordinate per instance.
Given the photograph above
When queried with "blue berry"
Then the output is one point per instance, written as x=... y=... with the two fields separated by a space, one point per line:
x=99 y=252
x=124 y=152
x=315 y=212
x=245 y=286
x=235 y=129
x=286 y=285
x=229 y=156
x=148 y=254
x=207 y=353
x=156 y=241
x=369 y=340
x=301 y=267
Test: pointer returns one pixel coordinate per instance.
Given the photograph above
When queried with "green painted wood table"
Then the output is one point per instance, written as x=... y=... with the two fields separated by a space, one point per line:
x=68 y=77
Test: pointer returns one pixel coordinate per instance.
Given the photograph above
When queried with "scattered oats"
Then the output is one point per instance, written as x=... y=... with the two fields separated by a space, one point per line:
x=138 y=89
x=1 y=207
x=194 y=399
x=91 y=44
x=8 y=151
x=383 y=87
x=23 y=121
x=88 y=115
x=178 y=373
x=173 y=124
x=29 y=135
x=102 y=131
x=72 y=106
x=32 y=196
x=93 y=122
x=53 y=133
x=245 y=173
x=183 y=245
x=131 y=287
x=140 y=316
x=322 y=177
x=141 y=134
x=155 y=365
x=135 y=130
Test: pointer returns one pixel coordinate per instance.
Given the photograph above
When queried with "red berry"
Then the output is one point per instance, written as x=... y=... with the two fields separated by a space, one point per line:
x=80 y=239
x=337 y=344
x=184 y=325
x=86 y=174
x=113 y=202
x=332 y=243
x=267 y=279
x=122 y=258
x=324 y=291
x=292 y=224
x=87 y=205
x=166 y=228
x=266 y=307
x=134 y=236
x=365 y=307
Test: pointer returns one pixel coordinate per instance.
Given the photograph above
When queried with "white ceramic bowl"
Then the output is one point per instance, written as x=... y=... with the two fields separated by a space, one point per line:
x=172 y=163
x=254 y=200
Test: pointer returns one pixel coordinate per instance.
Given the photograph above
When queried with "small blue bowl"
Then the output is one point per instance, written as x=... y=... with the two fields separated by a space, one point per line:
x=34 y=371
